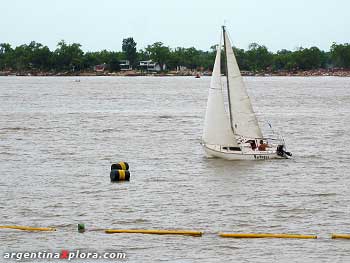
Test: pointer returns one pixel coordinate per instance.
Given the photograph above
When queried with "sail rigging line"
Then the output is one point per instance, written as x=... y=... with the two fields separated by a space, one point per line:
x=227 y=81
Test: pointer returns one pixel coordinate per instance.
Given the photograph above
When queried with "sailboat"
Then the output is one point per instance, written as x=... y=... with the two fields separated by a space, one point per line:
x=234 y=133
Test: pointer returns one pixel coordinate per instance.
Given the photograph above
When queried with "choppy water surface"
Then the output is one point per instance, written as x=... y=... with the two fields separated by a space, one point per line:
x=58 y=138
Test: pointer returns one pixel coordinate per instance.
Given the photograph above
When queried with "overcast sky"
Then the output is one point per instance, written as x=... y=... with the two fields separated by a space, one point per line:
x=102 y=24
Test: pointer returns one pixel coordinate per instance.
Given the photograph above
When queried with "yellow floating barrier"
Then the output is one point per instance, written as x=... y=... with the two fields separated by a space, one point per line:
x=343 y=236
x=154 y=232
x=247 y=235
x=28 y=228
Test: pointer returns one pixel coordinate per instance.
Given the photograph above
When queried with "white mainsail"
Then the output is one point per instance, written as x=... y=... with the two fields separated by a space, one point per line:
x=243 y=120
x=217 y=129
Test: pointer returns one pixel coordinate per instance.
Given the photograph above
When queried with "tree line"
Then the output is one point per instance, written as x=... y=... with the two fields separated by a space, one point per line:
x=70 y=57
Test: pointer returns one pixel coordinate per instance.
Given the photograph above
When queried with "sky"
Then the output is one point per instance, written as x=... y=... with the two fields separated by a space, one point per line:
x=103 y=24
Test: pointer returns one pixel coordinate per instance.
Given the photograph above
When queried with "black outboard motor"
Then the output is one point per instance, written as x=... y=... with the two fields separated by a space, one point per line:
x=281 y=152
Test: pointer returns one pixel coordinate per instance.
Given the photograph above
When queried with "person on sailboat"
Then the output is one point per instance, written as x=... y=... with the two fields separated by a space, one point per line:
x=252 y=144
x=262 y=146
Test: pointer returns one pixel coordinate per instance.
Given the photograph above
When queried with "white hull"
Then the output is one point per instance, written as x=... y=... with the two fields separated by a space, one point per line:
x=238 y=155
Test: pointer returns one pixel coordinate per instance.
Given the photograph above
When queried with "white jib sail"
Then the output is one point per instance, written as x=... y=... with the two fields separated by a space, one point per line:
x=217 y=129
x=244 y=121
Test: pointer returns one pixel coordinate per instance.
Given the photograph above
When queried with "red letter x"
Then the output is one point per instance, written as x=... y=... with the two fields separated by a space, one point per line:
x=64 y=254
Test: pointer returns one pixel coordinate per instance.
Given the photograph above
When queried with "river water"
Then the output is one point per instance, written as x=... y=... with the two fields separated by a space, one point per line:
x=58 y=138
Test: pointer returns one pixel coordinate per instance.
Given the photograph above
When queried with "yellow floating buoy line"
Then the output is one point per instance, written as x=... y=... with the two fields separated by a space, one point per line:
x=262 y=235
x=29 y=228
x=81 y=229
x=120 y=172
x=342 y=236
x=155 y=232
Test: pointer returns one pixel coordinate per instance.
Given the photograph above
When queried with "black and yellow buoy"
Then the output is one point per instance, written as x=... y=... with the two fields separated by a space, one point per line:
x=120 y=172
x=120 y=175
x=120 y=166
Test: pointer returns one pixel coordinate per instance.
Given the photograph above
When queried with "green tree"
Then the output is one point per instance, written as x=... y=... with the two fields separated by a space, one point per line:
x=142 y=55
x=308 y=58
x=340 y=55
x=40 y=56
x=90 y=60
x=242 y=59
x=159 y=53
x=6 y=53
x=178 y=58
x=114 y=63
x=191 y=58
x=129 y=49
x=68 y=57
x=111 y=58
x=258 y=57
x=22 y=58
x=282 y=60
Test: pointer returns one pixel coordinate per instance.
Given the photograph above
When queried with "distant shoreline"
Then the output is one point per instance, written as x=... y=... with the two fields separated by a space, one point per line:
x=131 y=73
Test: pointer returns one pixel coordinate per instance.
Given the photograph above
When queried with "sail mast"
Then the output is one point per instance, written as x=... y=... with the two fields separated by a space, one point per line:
x=228 y=86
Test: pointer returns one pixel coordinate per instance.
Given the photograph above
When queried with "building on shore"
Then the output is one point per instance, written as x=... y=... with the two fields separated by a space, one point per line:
x=100 y=68
x=150 y=65
x=125 y=65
